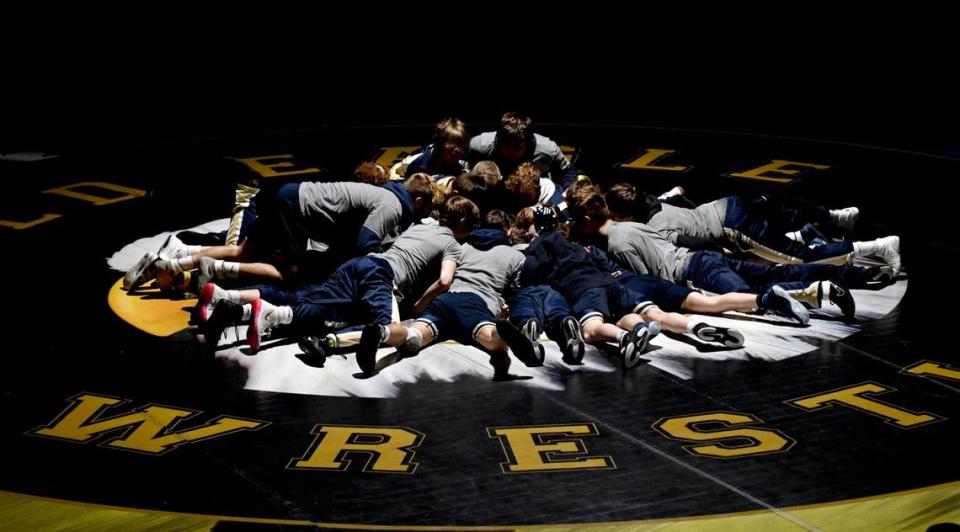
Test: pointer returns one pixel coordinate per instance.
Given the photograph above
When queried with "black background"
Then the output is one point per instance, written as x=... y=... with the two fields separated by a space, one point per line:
x=144 y=78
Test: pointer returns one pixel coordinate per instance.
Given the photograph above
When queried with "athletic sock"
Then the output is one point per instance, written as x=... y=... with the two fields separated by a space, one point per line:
x=414 y=338
x=232 y=296
x=231 y=270
x=184 y=264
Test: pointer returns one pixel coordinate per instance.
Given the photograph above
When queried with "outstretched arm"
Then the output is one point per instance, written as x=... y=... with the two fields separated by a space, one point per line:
x=447 y=269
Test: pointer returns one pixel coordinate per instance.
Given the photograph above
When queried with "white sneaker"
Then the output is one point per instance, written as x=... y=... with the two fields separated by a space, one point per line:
x=141 y=272
x=888 y=249
x=847 y=218
x=173 y=248
x=263 y=318
x=209 y=296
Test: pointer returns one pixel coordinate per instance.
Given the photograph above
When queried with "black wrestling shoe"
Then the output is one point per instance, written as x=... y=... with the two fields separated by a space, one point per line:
x=841 y=297
x=573 y=346
x=521 y=346
x=731 y=338
x=370 y=340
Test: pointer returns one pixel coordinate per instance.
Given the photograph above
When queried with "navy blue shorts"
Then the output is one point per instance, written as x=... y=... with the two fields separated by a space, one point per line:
x=610 y=302
x=360 y=291
x=664 y=294
x=457 y=316
x=282 y=226
x=543 y=303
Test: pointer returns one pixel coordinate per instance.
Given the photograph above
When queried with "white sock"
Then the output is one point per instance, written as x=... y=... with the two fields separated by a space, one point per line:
x=186 y=251
x=620 y=336
x=414 y=338
x=184 y=264
x=247 y=312
x=232 y=296
x=384 y=333
x=231 y=270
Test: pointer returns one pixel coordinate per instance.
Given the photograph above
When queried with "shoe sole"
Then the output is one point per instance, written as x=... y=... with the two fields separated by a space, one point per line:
x=204 y=303
x=532 y=331
x=367 y=349
x=725 y=337
x=636 y=348
x=574 y=341
x=253 y=331
x=314 y=350
x=895 y=262
x=208 y=327
x=849 y=305
x=883 y=276
x=522 y=347
x=137 y=275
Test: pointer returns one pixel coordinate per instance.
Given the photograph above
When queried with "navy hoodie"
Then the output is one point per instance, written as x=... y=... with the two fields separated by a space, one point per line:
x=568 y=267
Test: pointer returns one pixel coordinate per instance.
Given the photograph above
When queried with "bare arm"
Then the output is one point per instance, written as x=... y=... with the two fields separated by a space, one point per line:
x=441 y=285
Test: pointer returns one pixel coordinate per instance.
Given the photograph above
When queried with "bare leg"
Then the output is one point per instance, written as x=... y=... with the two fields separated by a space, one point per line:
x=670 y=321
x=425 y=332
x=629 y=321
x=697 y=302
x=167 y=279
x=246 y=296
x=595 y=330
x=260 y=269
x=488 y=338
x=239 y=253
x=398 y=333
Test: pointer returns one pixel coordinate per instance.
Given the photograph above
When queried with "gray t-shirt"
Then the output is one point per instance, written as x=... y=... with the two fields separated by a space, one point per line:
x=546 y=156
x=691 y=227
x=644 y=250
x=415 y=250
x=488 y=273
x=335 y=212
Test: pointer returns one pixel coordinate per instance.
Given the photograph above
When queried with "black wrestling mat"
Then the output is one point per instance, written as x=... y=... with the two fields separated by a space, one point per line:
x=115 y=417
